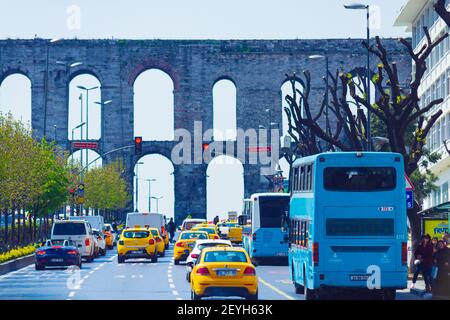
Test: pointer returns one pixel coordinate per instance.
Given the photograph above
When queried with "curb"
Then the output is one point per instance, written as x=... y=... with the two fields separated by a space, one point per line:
x=16 y=264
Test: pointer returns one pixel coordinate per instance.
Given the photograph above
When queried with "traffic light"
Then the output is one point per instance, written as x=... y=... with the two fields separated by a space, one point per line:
x=138 y=146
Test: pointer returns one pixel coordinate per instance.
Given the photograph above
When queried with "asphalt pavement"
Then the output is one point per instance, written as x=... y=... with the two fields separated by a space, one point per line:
x=105 y=279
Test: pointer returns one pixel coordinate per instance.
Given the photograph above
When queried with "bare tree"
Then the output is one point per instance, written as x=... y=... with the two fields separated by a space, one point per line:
x=441 y=10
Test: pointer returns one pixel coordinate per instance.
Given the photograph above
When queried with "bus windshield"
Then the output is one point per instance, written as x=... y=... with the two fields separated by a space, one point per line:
x=271 y=209
x=359 y=179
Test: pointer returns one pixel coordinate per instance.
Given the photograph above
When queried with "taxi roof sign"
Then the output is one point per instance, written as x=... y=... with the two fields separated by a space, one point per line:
x=408 y=184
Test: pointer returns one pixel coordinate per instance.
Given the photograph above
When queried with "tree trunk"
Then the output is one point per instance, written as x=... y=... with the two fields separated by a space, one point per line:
x=34 y=224
x=13 y=226
x=19 y=212
x=5 y=211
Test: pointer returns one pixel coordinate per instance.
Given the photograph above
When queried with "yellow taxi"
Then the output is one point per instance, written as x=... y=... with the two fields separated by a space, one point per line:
x=185 y=244
x=137 y=242
x=224 y=271
x=165 y=236
x=160 y=245
x=109 y=239
x=235 y=234
x=212 y=232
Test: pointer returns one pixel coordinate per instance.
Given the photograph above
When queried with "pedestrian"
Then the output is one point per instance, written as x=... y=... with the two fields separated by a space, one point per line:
x=441 y=283
x=434 y=242
x=171 y=229
x=216 y=220
x=424 y=261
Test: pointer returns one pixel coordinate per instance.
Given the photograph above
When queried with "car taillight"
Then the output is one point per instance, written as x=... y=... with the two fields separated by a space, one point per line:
x=40 y=252
x=87 y=242
x=404 y=253
x=203 y=271
x=249 y=271
x=315 y=250
x=179 y=244
x=254 y=236
x=72 y=252
x=194 y=255
x=216 y=236
x=151 y=241
x=158 y=239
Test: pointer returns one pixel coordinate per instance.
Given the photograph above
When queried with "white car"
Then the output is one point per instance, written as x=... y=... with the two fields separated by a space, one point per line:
x=100 y=240
x=80 y=232
x=199 y=245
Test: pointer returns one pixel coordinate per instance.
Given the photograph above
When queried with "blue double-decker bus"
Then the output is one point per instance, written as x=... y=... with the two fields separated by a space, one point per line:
x=267 y=240
x=347 y=224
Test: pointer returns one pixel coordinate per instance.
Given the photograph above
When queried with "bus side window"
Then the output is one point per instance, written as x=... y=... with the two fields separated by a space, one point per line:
x=294 y=179
x=311 y=177
x=306 y=233
x=302 y=180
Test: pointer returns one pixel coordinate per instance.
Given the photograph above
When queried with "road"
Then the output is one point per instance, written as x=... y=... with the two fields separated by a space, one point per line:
x=105 y=279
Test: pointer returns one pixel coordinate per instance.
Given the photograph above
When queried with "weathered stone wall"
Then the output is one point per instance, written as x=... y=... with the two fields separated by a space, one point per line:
x=257 y=67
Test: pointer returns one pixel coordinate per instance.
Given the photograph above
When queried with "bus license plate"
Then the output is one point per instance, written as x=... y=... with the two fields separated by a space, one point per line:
x=226 y=273
x=359 y=277
x=282 y=254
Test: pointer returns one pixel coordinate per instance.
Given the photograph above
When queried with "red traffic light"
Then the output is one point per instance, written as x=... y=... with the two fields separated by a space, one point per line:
x=138 y=146
x=72 y=191
x=205 y=146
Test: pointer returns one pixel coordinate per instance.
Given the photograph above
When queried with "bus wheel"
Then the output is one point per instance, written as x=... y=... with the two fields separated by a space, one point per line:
x=389 y=294
x=310 y=294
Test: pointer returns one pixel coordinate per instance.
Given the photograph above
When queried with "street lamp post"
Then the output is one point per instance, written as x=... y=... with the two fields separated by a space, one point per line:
x=102 y=104
x=137 y=185
x=359 y=6
x=149 y=194
x=87 y=115
x=327 y=121
x=157 y=202
x=77 y=127
x=55 y=127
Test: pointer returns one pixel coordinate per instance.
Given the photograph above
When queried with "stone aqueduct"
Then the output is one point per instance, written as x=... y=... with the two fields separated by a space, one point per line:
x=257 y=68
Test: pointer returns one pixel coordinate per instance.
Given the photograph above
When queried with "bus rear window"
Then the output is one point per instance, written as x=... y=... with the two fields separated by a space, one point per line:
x=359 y=227
x=271 y=209
x=359 y=179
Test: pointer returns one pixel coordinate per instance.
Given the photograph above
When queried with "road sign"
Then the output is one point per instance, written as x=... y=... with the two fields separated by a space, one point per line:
x=409 y=199
x=80 y=192
x=80 y=200
x=84 y=145
x=409 y=185
x=258 y=149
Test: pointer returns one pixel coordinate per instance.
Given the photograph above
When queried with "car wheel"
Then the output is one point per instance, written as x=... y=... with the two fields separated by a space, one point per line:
x=188 y=276
x=195 y=296
x=176 y=262
x=163 y=253
x=37 y=267
x=120 y=259
x=389 y=294
x=104 y=252
x=252 y=296
x=154 y=258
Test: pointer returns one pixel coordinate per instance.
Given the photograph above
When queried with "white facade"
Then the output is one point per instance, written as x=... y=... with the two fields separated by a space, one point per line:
x=435 y=84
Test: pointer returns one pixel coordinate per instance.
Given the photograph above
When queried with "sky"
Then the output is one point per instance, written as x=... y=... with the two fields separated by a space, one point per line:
x=176 y=19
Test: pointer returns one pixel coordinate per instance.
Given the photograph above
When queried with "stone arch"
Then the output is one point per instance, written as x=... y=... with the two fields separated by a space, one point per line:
x=20 y=105
x=224 y=194
x=224 y=93
x=164 y=186
x=154 y=105
x=76 y=155
x=154 y=64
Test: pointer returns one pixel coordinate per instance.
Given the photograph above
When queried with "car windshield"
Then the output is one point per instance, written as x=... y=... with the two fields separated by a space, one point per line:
x=193 y=235
x=225 y=256
x=154 y=233
x=108 y=228
x=136 y=234
x=212 y=244
x=209 y=230
x=70 y=229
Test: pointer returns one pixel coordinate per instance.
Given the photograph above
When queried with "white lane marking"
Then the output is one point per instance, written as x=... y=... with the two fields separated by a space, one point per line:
x=172 y=286
x=170 y=280
x=169 y=275
x=133 y=276
x=141 y=276
x=178 y=298
x=85 y=277
x=91 y=272
x=169 y=271
x=71 y=294
x=276 y=289
x=16 y=272
x=121 y=276
x=175 y=292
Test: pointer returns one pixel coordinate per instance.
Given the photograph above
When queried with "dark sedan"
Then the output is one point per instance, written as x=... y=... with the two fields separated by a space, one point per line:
x=57 y=253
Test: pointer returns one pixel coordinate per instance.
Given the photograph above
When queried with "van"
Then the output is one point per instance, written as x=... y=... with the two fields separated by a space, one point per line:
x=80 y=232
x=188 y=224
x=145 y=220
x=96 y=222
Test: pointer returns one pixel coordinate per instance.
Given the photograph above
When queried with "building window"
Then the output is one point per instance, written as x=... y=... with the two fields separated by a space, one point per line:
x=445 y=192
